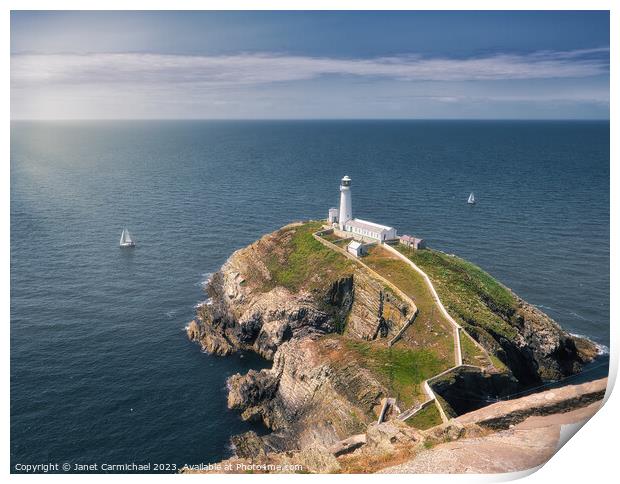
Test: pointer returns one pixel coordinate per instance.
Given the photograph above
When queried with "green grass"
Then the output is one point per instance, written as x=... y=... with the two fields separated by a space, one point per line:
x=497 y=363
x=472 y=355
x=339 y=241
x=342 y=243
x=402 y=370
x=401 y=275
x=430 y=329
x=471 y=296
x=425 y=418
x=331 y=237
x=303 y=261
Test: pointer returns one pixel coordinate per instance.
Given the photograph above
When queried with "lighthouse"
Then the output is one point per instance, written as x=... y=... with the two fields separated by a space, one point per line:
x=357 y=228
x=346 y=212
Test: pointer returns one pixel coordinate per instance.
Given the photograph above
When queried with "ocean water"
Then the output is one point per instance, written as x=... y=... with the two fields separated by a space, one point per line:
x=101 y=370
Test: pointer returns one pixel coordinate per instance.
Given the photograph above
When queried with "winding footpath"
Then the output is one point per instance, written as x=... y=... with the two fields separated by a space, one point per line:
x=457 y=328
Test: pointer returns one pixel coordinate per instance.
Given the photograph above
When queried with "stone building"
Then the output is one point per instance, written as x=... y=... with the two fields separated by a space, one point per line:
x=412 y=242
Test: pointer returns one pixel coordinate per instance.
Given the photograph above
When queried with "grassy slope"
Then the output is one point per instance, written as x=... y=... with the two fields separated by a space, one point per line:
x=425 y=419
x=426 y=348
x=470 y=295
x=304 y=262
x=430 y=329
x=472 y=355
x=400 y=369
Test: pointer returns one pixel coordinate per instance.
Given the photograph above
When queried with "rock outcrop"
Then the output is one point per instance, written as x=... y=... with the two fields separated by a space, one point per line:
x=304 y=399
x=246 y=310
x=507 y=436
x=258 y=302
x=554 y=353
x=540 y=349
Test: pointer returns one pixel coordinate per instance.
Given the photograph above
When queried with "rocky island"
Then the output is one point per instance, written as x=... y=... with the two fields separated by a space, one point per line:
x=369 y=352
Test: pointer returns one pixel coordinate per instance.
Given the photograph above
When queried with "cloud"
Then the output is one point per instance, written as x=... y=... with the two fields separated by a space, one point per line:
x=260 y=68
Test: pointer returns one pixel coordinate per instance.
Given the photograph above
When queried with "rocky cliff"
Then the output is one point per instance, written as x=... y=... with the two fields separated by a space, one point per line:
x=298 y=303
x=527 y=341
x=304 y=397
x=536 y=349
x=506 y=436
x=253 y=304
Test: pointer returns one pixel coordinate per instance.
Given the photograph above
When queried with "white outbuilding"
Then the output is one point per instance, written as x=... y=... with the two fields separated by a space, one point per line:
x=332 y=217
x=356 y=248
x=370 y=230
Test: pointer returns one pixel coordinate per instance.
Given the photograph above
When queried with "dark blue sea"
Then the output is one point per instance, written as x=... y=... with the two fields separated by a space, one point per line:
x=101 y=369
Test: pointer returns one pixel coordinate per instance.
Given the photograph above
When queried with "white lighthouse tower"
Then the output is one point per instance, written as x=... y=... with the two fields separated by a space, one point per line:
x=346 y=212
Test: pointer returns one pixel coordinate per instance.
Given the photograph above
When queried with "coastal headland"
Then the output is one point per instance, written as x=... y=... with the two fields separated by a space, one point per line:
x=367 y=351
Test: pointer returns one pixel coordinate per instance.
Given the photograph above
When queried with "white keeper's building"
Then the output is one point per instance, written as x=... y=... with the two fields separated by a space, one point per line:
x=357 y=227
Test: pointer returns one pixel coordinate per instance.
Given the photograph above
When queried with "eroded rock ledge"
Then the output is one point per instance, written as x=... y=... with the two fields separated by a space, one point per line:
x=281 y=296
x=503 y=437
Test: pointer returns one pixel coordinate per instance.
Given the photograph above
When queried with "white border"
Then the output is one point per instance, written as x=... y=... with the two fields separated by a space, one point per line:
x=588 y=458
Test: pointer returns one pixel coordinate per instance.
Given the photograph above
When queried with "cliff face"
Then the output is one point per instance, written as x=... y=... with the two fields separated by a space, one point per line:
x=248 y=309
x=555 y=353
x=538 y=349
x=506 y=436
x=304 y=399
x=281 y=295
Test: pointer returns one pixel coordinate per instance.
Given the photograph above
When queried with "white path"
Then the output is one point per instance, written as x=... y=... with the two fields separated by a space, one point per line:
x=444 y=311
x=458 y=355
x=455 y=326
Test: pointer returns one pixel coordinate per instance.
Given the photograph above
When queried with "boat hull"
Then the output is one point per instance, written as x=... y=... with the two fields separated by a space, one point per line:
x=127 y=244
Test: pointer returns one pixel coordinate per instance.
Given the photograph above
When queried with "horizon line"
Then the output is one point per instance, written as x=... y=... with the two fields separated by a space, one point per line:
x=300 y=119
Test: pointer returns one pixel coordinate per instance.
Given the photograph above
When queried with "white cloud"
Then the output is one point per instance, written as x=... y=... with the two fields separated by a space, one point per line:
x=131 y=85
x=244 y=69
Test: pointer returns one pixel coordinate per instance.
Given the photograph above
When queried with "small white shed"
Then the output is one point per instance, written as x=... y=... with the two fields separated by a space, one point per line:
x=356 y=248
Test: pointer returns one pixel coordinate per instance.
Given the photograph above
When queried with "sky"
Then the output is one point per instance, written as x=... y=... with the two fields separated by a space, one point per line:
x=310 y=65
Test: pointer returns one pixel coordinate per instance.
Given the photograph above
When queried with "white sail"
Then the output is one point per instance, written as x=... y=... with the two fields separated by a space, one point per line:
x=471 y=198
x=126 y=238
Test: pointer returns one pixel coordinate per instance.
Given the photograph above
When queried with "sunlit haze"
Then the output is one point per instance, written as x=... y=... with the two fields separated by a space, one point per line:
x=249 y=65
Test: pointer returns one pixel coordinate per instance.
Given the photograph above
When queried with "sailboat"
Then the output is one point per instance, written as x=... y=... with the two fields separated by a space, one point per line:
x=471 y=200
x=126 y=240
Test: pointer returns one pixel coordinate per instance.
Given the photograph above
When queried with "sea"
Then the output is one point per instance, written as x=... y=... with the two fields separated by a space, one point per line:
x=101 y=369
